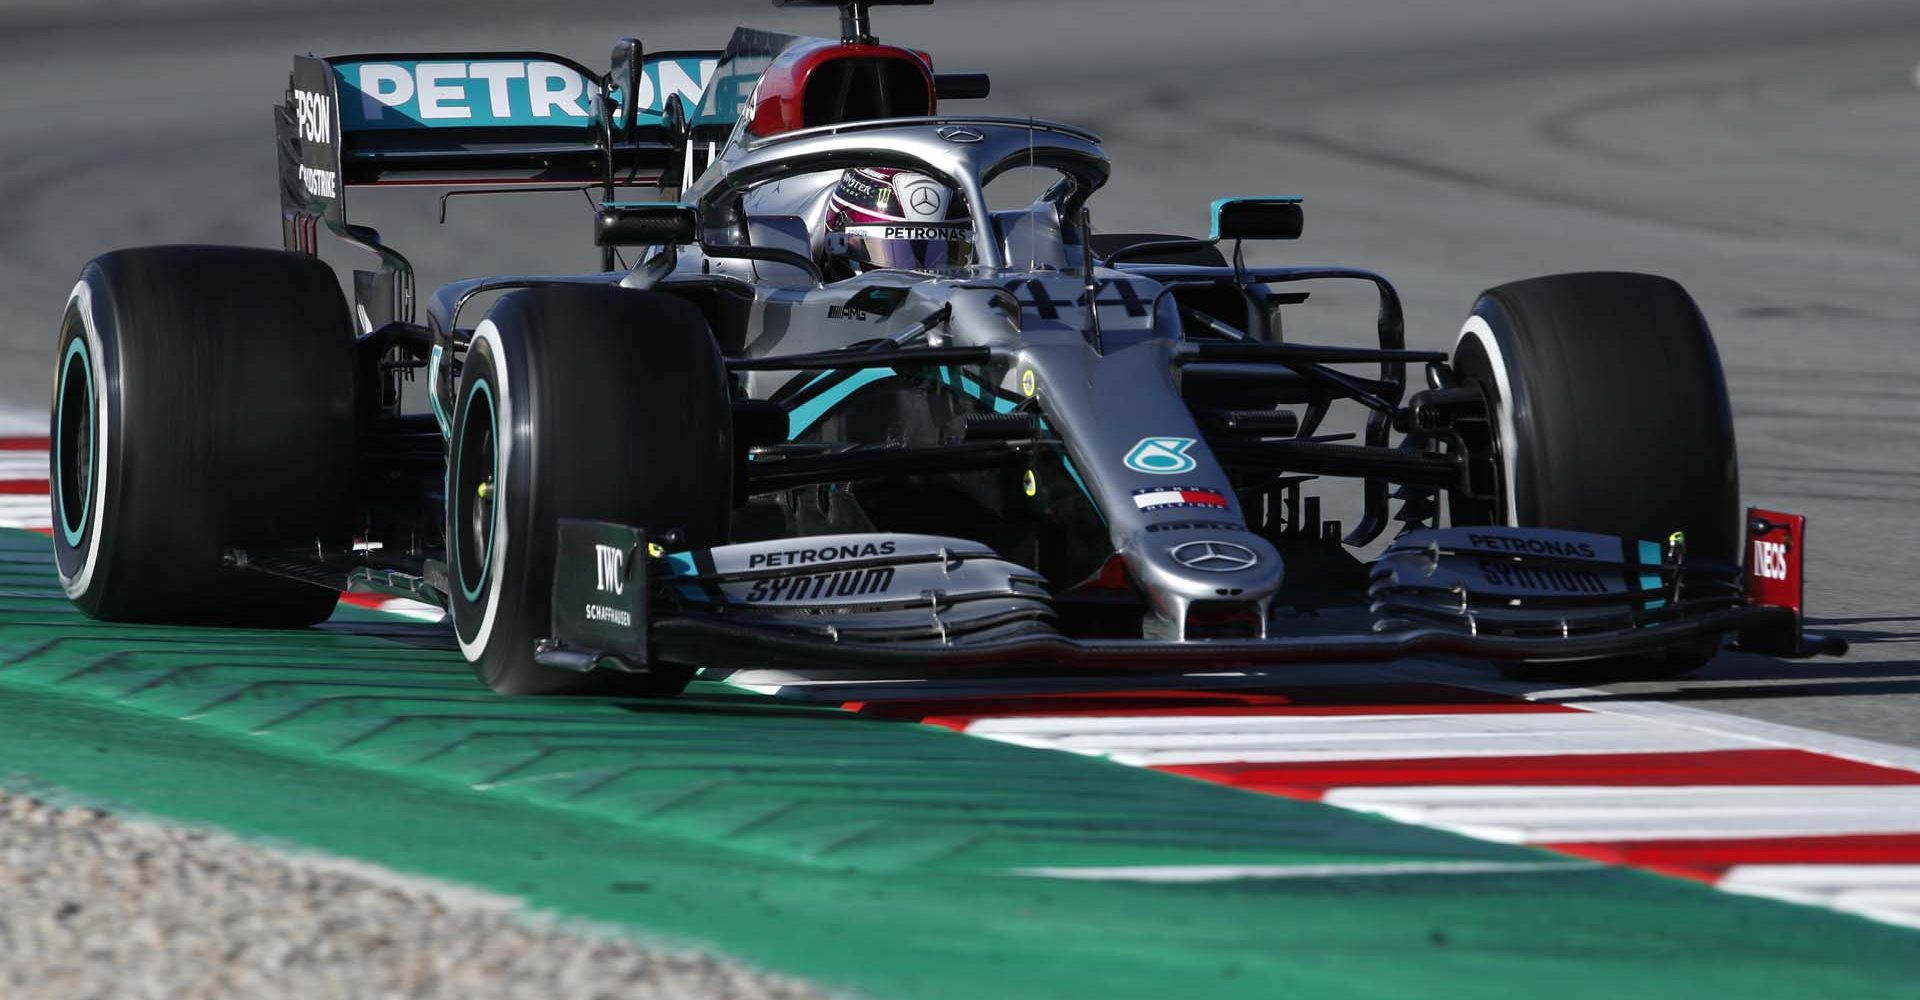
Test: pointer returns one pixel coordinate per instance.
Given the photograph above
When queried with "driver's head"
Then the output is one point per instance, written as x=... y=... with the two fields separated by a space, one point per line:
x=897 y=218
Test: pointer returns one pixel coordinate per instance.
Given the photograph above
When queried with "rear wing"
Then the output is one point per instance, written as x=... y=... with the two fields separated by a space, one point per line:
x=490 y=118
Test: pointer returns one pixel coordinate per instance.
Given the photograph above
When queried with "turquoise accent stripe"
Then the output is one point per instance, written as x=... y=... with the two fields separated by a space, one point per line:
x=807 y=414
x=1074 y=474
x=1650 y=553
x=681 y=563
x=1656 y=605
x=480 y=388
x=1649 y=582
x=76 y=348
x=972 y=387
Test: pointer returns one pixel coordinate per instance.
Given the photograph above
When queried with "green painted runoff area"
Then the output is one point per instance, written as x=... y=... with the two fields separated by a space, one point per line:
x=865 y=855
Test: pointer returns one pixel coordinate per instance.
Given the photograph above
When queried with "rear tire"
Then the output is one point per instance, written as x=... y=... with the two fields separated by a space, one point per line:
x=577 y=402
x=203 y=399
x=1612 y=416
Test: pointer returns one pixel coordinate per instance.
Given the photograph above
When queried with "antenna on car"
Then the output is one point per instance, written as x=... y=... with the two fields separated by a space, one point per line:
x=855 y=27
x=1033 y=235
x=1092 y=284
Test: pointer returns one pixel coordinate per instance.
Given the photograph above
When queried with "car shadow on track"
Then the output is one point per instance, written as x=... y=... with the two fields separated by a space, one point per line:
x=1879 y=664
x=1887 y=670
x=702 y=699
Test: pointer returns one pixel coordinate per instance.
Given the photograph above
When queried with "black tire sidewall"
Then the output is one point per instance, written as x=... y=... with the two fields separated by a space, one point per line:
x=591 y=386
x=82 y=561
x=493 y=616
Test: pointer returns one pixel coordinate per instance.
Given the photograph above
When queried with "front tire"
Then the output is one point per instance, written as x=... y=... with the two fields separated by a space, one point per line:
x=1612 y=416
x=577 y=402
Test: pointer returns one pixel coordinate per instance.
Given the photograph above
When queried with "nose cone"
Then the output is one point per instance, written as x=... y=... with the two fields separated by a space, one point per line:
x=1180 y=568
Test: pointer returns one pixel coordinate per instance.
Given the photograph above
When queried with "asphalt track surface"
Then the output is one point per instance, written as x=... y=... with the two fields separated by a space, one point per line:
x=1762 y=152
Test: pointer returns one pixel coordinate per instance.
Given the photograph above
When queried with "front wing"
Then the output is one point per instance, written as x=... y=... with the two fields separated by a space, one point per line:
x=953 y=607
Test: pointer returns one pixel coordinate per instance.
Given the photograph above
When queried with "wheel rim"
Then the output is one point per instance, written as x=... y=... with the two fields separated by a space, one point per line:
x=475 y=495
x=73 y=458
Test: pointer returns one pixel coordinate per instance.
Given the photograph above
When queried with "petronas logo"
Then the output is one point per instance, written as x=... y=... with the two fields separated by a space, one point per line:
x=1161 y=456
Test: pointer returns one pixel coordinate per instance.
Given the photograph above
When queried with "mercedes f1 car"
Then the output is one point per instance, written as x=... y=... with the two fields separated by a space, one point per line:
x=823 y=408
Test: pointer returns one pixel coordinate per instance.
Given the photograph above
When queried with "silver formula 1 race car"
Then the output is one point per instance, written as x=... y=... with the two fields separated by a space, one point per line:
x=840 y=415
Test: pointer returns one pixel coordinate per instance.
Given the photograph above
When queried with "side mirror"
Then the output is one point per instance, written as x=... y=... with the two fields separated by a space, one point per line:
x=961 y=86
x=645 y=223
x=1257 y=219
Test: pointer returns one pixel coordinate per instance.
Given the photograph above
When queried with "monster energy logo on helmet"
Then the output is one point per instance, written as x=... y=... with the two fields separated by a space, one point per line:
x=885 y=218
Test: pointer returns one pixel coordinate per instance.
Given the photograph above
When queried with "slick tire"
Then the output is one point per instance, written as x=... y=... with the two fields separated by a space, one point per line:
x=584 y=402
x=1612 y=416
x=203 y=400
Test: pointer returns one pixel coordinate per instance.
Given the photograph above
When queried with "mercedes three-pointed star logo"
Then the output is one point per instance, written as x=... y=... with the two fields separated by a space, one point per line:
x=1215 y=557
x=924 y=199
x=959 y=133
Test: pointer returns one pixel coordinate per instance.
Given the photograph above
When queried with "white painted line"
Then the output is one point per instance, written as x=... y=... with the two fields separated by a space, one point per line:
x=1773 y=734
x=25 y=512
x=1825 y=878
x=1888 y=893
x=1511 y=814
x=1279 y=739
x=16 y=421
x=1790 y=797
x=1901 y=907
x=1149 y=726
x=1740 y=727
x=23 y=465
x=1226 y=873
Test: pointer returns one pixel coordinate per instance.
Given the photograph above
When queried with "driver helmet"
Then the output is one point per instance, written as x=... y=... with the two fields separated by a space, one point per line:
x=880 y=217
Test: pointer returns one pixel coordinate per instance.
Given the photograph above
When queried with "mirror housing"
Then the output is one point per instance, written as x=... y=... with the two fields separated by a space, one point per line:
x=1257 y=219
x=961 y=86
x=645 y=223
